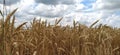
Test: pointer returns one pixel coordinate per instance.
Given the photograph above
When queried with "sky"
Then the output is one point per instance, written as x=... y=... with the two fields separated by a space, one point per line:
x=82 y=11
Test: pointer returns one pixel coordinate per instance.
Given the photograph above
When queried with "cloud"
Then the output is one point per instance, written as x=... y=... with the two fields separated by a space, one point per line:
x=114 y=20
x=48 y=10
x=107 y=4
x=9 y=2
x=109 y=11
x=82 y=11
x=56 y=2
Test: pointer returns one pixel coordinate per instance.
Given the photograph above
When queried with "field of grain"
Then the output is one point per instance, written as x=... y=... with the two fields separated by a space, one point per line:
x=41 y=38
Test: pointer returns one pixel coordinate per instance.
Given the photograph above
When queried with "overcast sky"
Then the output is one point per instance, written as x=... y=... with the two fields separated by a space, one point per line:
x=83 y=11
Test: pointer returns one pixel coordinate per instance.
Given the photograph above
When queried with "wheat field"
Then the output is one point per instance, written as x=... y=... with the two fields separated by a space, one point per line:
x=41 y=38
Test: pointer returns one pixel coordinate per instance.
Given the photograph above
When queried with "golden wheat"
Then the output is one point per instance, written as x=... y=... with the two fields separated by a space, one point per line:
x=41 y=38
